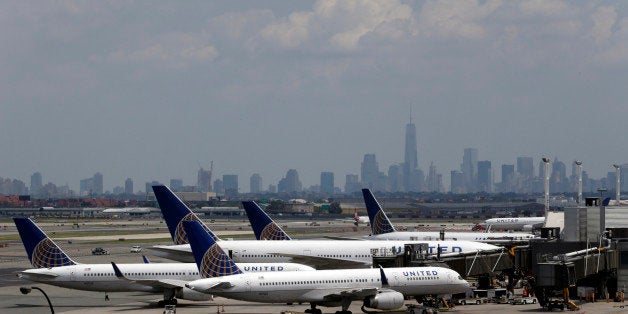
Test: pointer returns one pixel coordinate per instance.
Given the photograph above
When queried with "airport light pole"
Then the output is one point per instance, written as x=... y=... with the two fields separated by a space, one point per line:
x=617 y=183
x=546 y=163
x=27 y=290
x=579 y=166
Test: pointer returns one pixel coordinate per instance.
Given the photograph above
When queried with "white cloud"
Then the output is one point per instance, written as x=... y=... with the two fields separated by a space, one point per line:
x=339 y=25
x=456 y=18
x=291 y=33
x=603 y=20
x=172 y=49
x=616 y=51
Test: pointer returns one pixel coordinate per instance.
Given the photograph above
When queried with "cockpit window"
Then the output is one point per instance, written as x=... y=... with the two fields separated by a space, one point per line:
x=459 y=277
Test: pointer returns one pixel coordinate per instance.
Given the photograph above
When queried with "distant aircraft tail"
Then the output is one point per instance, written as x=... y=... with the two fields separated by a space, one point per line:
x=210 y=259
x=175 y=212
x=41 y=250
x=356 y=217
x=263 y=226
x=379 y=221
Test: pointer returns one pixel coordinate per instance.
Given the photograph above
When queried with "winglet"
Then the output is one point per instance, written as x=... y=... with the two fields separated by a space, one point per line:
x=263 y=226
x=174 y=212
x=379 y=221
x=383 y=275
x=211 y=260
x=41 y=250
x=145 y=259
x=117 y=271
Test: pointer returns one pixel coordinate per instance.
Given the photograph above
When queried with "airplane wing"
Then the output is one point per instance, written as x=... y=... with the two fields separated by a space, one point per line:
x=173 y=253
x=158 y=283
x=324 y=262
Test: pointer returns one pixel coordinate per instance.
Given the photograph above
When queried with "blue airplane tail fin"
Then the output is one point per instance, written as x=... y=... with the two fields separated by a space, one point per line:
x=41 y=250
x=379 y=221
x=263 y=226
x=210 y=259
x=175 y=212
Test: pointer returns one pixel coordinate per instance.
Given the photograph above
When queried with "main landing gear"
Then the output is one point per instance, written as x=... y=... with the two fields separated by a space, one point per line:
x=163 y=303
x=313 y=309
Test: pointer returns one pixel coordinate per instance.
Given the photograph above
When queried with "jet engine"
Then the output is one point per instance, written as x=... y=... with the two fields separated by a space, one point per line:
x=385 y=300
x=189 y=294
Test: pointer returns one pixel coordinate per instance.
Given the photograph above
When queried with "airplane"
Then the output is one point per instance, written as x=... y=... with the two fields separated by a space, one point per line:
x=55 y=267
x=317 y=253
x=360 y=220
x=378 y=288
x=511 y=223
x=383 y=229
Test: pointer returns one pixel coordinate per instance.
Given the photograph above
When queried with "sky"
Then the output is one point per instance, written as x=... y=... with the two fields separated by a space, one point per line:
x=150 y=89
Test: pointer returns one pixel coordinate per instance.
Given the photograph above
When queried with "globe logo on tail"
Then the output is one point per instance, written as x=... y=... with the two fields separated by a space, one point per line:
x=216 y=264
x=381 y=224
x=273 y=232
x=46 y=255
x=180 y=237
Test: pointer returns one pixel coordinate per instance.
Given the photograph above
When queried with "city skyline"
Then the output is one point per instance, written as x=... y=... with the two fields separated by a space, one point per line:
x=148 y=90
x=519 y=179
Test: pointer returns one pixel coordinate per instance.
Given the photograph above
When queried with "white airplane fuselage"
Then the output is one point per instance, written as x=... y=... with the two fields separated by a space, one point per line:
x=338 y=254
x=513 y=223
x=317 y=286
x=487 y=237
x=101 y=277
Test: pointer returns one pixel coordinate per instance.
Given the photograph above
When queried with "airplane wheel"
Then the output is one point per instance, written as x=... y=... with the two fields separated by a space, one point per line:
x=478 y=302
x=463 y=302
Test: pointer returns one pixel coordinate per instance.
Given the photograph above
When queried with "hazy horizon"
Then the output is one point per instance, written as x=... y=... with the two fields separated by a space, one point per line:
x=148 y=89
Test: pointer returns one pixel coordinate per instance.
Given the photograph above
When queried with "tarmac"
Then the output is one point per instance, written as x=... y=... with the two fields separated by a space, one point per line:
x=13 y=258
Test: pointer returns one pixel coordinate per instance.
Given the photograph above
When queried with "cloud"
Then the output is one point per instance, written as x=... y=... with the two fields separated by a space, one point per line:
x=543 y=7
x=616 y=50
x=603 y=20
x=449 y=19
x=172 y=49
x=339 y=25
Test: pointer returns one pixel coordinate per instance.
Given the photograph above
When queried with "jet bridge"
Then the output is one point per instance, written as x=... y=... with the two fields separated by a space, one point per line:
x=483 y=265
x=554 y=268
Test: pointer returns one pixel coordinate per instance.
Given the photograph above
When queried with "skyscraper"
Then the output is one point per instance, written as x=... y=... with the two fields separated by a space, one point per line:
x=36 y=184
x=370 y=170
x=255 y=183
x=352 y=183
x=230 y=183
x=469 y=169
x=98 y=184
x=410 y=161
x=485 y=176
x=508 y=172
x=433 y=179
x=176 y=185
x=128 y=186
x=290 y=183
x=203 y=180
x=327 y=183
x=395 y=178
x=457 y=182
x=525 y=167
